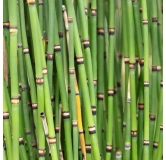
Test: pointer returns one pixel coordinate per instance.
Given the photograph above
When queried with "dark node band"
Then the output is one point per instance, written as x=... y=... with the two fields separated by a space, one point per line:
x=155 y=144
x=15 y=101
x=131 y=65
x=158 y=23
x=52 y=98
x=118 y=154
x=146 y=83
x=118 y=84
x=69 y=90
x=154 y=19
x=120 y=55
x=57 y=129
x=94 y=11
x=146 y=142
x=20 y=85
x=115 y=90
x=26 y=50
x=95 y=82
x=92 y=129
x=124 y=124
x=44 y=71
x=80 y=60
x=27 y=132
x=93 y=110
x=21 y=142
x=71 y=70
x=134 y=133
x=86 y=11
x=19 y=96
x=127 y=146
x=136 y=59
x=42 y=152
x=6 y=24
x=86 y=43
x=141 y=106
x=40 y=2
x=24 y=88
x=141 y=62
x=126 y=59
x=109 y=148
x=19 y=45
x=60 y=34
x=65 y=114
x=29 y=103
x=100 y=31
x=140 y=9
x=34 y=105
x=70 y=19
x=111 y=31
x=13 y=29
x=161 y=83
x=52 y=140
x=79 y=148
x=74 y=123
x=5 y=115
x=88 y=148
x=152 y=117
x=145 y=21
x=110 y=92
x=39 y=81
x=134 y=0
x=102 y=130
x=100 y=96
x=77 y=93
x=57 y=48
x=34 y=145
x=81 y=132
x=47 y=41
x=31 y=2
x=50 y=56
x=156 y=68
x=161 y=127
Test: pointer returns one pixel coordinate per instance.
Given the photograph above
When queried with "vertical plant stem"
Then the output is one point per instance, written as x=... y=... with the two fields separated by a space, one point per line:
x=146 y=80
x=132 y=79
x=14 y=78
x=111 y=55
x=6 y=124
x=100 y=70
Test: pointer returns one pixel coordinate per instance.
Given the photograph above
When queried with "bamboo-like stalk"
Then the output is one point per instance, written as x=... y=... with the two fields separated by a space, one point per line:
x=7 y=36
x=140 y=93
x=24 y=94
x=87 y=53
x=127 y=143
x=6 y=124
x=39 y=80
x=84 y=87
x=100 y=70
x=14 y=78
x=158 y=122
x=28 y=63
x=93 y=40
x=57 y=127
x=72 y=97
x=154 y=84
x=132 y=79
x=146 y=81
x=79 y=118
x=126 y=60
x=160 y=147
x=111 y=24
x=50 y=47
x=47 y=99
